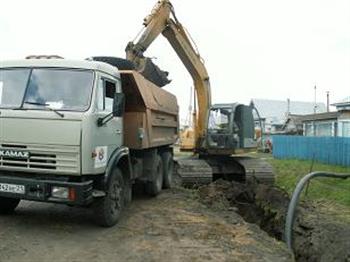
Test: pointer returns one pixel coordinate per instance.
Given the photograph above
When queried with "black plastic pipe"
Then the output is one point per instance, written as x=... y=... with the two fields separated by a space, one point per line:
x=295 y=199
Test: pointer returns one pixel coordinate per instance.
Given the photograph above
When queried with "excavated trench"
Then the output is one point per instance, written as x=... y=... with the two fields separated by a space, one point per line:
x=317 y=236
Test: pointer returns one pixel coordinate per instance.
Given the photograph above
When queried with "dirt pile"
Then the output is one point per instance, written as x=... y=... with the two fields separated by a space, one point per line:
x=318 y=236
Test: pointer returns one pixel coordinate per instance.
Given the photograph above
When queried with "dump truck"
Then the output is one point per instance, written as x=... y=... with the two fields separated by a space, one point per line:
x=82 y=133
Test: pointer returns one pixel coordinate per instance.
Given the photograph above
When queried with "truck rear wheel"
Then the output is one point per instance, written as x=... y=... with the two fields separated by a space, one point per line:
x=8 y=205
x=109 y=208
x=168 y=169
x=154 y=187
x=128 y=193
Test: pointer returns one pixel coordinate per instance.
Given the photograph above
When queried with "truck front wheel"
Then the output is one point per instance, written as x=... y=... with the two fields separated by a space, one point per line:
x=154 y=187
x=8 y=205
x=109 y=208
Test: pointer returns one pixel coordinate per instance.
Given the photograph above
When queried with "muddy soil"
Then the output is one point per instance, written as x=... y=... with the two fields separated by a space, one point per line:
x=175 y=226
x=319 y=235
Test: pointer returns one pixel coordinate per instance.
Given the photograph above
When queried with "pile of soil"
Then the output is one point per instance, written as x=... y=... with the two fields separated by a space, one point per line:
x=318 y=236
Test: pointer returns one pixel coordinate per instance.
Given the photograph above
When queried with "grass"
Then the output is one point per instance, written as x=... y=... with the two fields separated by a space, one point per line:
x=289 y=172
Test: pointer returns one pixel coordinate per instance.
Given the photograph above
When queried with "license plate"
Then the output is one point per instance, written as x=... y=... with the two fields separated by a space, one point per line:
x=11 y=188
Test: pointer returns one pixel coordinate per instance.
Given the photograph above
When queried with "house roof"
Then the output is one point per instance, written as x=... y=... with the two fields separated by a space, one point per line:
x=295 y=118
x=322 y=116
x=344 y=102
x=275 y=110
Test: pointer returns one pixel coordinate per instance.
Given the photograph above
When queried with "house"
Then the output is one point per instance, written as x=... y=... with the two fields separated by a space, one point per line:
x=293 y=125
x=276 y=112
x=328 y=124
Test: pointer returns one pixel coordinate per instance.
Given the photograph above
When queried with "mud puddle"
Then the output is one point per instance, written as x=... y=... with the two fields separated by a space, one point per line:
x=317 y=234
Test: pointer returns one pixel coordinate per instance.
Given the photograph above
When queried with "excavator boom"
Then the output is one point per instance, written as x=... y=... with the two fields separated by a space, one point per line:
x=162 y=20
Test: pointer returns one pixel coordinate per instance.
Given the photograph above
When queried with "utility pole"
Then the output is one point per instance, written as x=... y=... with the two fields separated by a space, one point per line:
x=189 y=116
x=315 y=111
x=327 y=101
x=315 y=102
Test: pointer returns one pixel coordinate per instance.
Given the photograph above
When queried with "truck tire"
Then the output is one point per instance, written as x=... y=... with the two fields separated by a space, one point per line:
x=8 y=205
x=168 y=169
x=154 y=187
x=128 y=193
x=109 y=208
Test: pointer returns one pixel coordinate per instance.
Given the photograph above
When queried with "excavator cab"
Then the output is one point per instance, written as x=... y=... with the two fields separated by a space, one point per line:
x=231 y=129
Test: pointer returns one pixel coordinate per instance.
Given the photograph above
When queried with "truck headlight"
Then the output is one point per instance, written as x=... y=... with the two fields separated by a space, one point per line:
x=60 y=192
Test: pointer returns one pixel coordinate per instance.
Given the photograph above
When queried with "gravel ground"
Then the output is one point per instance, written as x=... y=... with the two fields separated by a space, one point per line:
x=174 y=226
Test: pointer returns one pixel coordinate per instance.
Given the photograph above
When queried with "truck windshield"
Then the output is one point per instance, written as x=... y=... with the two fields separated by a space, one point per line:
x=60 y=89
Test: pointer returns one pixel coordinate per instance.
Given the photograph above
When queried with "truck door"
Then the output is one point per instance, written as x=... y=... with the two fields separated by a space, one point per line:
x=109 y=136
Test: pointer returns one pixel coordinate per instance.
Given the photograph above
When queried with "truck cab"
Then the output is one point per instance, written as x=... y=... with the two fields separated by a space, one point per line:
x=62 y=136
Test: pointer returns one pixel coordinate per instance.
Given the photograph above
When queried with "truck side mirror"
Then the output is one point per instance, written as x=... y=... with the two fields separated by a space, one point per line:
x=118 y=104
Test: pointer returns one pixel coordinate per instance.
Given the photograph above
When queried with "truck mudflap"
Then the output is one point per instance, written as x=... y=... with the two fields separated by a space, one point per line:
x=42 y=190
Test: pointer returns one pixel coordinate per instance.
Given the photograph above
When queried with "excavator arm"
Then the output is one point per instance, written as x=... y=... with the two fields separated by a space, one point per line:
x=214 y=159
x=163 y=20
x=154 y=25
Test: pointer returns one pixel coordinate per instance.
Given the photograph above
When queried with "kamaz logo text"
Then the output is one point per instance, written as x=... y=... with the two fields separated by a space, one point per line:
x=14 y=154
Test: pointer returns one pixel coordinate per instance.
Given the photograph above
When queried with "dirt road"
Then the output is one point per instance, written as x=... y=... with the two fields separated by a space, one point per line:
x=171 y=227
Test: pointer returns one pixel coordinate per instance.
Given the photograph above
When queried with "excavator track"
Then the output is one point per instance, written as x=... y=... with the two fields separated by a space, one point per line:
x=195 y=172
x=257 y=169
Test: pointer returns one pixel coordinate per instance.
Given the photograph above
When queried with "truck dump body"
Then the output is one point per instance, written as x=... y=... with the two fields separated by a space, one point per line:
x=151 y=113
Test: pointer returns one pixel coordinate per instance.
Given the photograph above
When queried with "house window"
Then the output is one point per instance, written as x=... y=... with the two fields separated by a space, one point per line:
x=309 y=129
x=324 y=129
x=345 y=129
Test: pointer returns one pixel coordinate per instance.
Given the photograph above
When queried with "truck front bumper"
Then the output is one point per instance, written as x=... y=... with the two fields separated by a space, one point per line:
x=78 y=193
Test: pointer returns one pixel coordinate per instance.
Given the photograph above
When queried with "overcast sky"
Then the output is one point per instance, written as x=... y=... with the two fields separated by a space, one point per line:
x=273 y=49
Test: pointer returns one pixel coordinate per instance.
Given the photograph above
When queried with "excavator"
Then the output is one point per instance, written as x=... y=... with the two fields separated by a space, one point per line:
x=222 y=133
